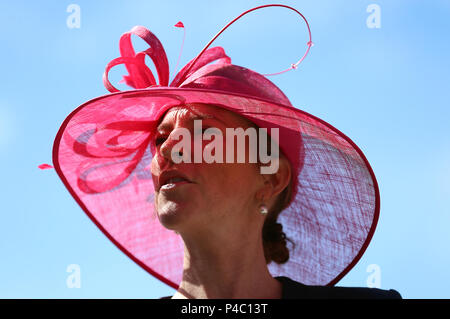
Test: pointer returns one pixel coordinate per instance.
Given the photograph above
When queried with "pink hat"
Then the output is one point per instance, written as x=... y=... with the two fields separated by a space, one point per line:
x=102 y=154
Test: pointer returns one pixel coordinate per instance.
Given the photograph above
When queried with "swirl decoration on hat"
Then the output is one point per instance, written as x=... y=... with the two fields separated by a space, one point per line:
x=127 y=143
x=140 y=76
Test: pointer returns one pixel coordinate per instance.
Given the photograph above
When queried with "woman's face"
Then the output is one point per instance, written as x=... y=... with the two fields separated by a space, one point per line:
x=192 y=196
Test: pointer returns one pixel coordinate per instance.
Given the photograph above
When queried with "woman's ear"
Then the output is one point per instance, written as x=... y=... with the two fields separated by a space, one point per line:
x=275 y=183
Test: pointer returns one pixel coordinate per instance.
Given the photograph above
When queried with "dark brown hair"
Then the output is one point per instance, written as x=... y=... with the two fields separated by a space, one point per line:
x=274 y=239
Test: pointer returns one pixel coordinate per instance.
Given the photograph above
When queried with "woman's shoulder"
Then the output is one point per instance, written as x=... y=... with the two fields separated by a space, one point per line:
x=295 y=290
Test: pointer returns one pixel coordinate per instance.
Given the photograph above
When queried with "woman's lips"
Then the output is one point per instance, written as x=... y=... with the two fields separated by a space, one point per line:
x=174 y=183
x=171 y=179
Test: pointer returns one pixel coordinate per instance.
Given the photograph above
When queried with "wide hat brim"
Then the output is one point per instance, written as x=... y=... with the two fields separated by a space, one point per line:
x=102 y=154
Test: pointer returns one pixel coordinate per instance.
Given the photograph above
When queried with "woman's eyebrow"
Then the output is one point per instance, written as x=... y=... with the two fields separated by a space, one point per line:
x=163 y=127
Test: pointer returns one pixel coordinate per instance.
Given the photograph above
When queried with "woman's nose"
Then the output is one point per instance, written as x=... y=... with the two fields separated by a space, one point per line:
x=166 y=149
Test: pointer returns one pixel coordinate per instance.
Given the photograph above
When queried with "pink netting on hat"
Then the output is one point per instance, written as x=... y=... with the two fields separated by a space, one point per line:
x=102 y=154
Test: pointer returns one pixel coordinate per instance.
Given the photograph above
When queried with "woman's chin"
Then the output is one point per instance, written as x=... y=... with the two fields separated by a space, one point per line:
x=172 y=214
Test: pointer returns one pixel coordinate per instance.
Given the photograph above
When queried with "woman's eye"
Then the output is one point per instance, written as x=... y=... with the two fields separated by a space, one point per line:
x=159 y=140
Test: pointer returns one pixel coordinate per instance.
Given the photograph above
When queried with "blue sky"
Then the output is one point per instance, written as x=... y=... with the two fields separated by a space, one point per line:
x=386 y=88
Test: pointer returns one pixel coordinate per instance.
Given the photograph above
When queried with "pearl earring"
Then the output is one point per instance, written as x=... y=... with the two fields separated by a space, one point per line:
x=263 y=209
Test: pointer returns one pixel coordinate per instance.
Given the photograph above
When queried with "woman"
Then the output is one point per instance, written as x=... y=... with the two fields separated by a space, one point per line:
x=216 y=208
x=211 y=229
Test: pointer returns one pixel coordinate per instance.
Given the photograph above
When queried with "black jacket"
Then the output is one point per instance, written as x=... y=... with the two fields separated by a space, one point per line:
x=296 y=290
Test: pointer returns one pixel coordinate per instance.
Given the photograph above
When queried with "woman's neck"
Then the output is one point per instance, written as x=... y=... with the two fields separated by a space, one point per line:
x=231 y=269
